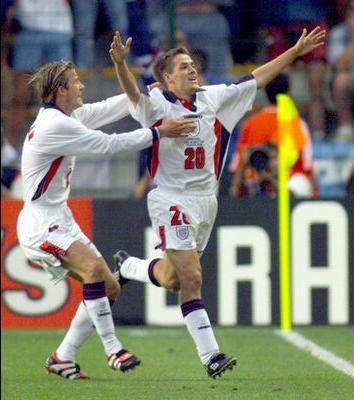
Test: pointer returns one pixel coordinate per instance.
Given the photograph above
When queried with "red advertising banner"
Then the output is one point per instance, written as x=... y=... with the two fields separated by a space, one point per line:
x=28 y=298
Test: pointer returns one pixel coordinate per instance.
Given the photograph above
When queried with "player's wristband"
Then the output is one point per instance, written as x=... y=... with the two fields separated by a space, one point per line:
x=155 y=134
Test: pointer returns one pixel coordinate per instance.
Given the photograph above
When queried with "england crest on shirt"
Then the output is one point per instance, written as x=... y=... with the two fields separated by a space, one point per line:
x=195 y=118
x=182 y=232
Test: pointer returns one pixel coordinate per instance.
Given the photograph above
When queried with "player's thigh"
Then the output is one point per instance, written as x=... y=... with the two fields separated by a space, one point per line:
x=112 y=285
x=169 y=270
x=79 y=258
x=185 y=262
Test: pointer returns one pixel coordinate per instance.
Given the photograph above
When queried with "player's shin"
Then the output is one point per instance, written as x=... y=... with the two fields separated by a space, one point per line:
x=99 y=310
x=199 y=327
x=80 y=329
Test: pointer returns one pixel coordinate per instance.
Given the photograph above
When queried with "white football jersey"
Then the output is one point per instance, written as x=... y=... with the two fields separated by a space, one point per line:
x=54 y=139
x=193 y=164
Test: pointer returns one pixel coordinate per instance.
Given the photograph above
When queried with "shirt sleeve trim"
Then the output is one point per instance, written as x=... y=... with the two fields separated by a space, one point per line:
x=155 y=134
x=245 y=78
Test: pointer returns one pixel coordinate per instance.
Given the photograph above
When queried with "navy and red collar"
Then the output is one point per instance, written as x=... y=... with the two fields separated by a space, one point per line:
x=190 y=105
x=52 y=105
x=172 y=98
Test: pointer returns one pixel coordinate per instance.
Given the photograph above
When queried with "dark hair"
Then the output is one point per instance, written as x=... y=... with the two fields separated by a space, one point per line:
x=259 y=156
x=280 y=84
x=48 y=78
x=200 y=57
x=165 y=61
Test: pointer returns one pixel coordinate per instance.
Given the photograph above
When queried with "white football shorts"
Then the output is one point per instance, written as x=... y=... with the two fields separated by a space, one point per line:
x=182 y=222
x=46 y=233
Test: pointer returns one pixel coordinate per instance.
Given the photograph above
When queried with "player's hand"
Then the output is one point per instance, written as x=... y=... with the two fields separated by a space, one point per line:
x=308 y=42
x=118 y=50
x=176 y=128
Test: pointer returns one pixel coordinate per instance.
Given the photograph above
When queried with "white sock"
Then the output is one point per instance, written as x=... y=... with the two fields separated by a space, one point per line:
x=137 y=269
x=198 y=325
x=80 y=329
x=101 y=316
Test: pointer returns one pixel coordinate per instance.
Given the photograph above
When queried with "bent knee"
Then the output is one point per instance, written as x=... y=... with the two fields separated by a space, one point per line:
x=95 y=270
x=193 y=281
x=173 y=284
x=112 y=288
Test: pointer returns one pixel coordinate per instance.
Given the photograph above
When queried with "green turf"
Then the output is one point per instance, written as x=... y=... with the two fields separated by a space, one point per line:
x=339 y=340
x=269 y=367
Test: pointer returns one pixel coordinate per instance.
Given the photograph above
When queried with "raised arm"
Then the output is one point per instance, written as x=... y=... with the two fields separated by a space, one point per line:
x=118 y=53
x=305 y=44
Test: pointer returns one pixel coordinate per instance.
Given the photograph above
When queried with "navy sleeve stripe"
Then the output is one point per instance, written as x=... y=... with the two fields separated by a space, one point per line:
x=245 y=78
x=155 y=134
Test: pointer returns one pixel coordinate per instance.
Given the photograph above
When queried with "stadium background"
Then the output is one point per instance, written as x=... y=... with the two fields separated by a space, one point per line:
x=240 y=266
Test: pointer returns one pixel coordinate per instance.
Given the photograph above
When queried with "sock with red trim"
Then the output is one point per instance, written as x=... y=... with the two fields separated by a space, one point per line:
x=140 y=270
x=200 y=329
x=99 y=310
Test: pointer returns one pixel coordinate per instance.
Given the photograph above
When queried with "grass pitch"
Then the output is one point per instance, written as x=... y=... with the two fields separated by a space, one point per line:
x=268 y=367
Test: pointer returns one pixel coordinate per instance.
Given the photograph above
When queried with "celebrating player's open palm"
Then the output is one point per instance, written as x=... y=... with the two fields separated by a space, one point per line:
x=177 y=127
x=118 y=50
x=308 y=42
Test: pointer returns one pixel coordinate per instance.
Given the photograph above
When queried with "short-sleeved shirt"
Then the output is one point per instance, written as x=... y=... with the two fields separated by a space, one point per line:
x=193 y=164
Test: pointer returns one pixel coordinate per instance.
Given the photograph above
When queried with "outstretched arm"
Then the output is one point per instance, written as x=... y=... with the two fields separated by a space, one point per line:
x=305 y=44
x=70 y=137
x=118 y=53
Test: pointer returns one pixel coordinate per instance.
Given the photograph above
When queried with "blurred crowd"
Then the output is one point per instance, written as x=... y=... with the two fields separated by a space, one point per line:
x=219 y=34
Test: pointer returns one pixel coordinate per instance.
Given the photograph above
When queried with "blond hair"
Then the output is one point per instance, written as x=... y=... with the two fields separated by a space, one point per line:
x=48 y=78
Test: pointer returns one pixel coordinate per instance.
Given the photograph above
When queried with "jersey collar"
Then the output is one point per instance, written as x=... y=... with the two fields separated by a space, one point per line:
x=172 y=98
x=52 y=105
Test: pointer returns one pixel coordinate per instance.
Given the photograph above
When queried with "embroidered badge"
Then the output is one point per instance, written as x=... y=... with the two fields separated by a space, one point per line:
x=196 y=130
x=182 y=232
x=195 y=118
